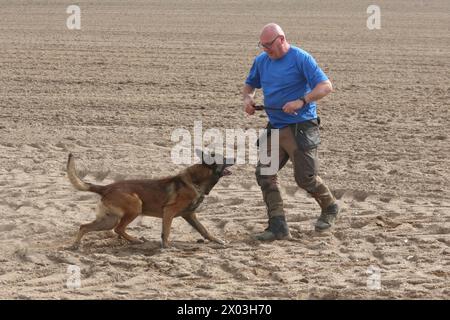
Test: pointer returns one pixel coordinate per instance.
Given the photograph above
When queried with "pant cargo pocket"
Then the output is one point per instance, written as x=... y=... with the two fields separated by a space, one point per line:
x=307 y=134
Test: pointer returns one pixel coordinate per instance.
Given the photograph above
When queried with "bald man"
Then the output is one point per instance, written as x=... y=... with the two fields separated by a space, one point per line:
x=291 y=82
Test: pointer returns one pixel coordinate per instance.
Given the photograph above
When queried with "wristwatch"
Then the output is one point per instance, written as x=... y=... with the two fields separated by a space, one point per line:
x=304 y=101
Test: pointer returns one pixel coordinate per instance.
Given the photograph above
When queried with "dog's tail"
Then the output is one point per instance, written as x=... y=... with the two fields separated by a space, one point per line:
x=77 y=182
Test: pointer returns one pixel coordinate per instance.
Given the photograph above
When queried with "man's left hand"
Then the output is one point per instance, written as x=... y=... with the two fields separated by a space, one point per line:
x=293 y=106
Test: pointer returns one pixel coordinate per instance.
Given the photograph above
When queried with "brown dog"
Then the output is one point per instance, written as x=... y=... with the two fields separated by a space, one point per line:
x=165 y=198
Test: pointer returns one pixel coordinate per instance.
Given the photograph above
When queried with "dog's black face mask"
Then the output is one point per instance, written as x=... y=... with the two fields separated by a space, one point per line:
x=221 y=169
x=218 y=167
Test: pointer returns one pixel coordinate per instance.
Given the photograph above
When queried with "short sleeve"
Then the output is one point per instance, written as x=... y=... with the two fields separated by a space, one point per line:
x=313 y=74
x=253 y=78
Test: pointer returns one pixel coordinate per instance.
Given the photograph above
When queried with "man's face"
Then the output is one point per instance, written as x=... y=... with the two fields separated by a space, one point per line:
x=272 y=44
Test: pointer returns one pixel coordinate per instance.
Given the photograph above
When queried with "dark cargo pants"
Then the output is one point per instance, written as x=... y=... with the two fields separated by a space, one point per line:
x=298 y=143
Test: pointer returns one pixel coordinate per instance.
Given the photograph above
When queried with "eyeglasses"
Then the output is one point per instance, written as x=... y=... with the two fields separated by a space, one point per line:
x=268 y=45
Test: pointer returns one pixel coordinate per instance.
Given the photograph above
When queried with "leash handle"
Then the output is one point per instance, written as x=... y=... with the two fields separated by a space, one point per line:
x=262 y=107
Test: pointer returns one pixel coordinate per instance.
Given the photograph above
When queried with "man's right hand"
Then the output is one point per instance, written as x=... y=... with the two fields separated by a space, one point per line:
x=249 y=105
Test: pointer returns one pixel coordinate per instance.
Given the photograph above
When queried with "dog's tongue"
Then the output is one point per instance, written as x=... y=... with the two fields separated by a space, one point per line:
x=226 y=172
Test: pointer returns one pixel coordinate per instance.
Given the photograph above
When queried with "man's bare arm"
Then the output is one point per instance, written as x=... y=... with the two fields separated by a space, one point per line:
x=320 y=90
x=248 y=95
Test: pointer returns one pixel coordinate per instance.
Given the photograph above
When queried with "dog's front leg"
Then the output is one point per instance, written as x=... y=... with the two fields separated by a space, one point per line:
x=195 y=223
x=168 y=215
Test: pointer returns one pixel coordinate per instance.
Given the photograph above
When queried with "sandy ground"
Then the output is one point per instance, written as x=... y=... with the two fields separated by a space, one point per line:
x=113 y=92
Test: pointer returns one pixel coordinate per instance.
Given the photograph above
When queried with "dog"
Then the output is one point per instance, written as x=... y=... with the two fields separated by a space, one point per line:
x=166 y=198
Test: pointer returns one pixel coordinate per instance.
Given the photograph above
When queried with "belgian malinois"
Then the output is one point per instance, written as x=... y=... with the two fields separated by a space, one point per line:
x=166 y=198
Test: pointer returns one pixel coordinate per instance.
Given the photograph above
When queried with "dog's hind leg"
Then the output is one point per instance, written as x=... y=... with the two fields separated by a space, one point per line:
x=132 y=209
x=104 y=221
x=193 y=221
x=124 y=222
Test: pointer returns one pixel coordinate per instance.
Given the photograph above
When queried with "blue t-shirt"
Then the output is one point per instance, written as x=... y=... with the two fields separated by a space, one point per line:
x=286 y=79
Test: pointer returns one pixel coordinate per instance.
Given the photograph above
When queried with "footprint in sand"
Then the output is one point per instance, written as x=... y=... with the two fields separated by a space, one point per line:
x=62 y=146
x=36 y=145
x=38 y=228
x=212 y=199
x=247 y=185
x=85 y=197
x=359 y=223
x=7 y=227
x=382 y=221
x=12 y=204
x=374 y=167
x=438 y=229
x=386 y=199
x=235 y=201
x=440 y=137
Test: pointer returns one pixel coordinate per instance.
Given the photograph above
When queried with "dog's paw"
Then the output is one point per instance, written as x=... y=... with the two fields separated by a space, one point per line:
x=131 y=239
x=219 y=241
x=165 y=246
x=136 y=241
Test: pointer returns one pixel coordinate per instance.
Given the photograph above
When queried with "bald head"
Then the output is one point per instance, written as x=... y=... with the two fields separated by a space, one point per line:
x=273 y=41
x=272 y=30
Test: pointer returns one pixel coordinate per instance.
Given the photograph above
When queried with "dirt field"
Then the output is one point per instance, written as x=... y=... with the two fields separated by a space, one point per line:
x=113 y=92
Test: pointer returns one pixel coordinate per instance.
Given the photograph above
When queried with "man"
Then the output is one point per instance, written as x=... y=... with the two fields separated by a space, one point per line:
x=291 y=82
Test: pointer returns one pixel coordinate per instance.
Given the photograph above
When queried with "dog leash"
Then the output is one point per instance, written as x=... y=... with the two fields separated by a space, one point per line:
x=262 y=107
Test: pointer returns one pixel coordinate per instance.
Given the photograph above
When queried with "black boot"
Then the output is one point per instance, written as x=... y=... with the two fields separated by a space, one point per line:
x=277 y=230
x=327 y=217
